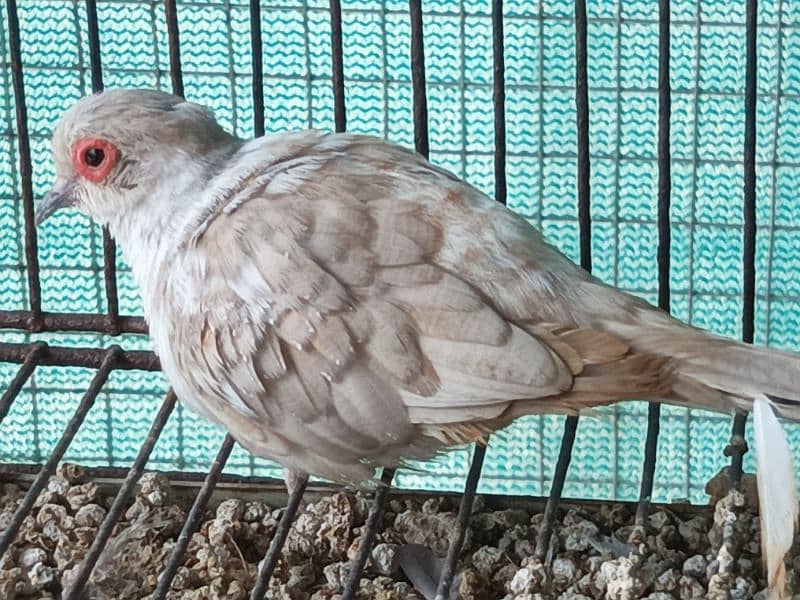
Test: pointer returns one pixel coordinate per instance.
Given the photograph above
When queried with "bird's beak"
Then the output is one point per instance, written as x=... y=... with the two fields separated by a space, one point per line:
x=61 y=195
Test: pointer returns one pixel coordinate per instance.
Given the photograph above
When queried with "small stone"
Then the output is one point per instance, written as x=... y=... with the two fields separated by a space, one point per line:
x=153 y=489
x=695 y=566
x=42 y=577
x=71 y=473
x=230 y=510
x=90 y=515
x=564 y=573
x=621 y=579
x=659 y=520
x=690 y=588
x=576 y=537
x=667 y=581
x=30 y=556
x=487 y=560
x=385 y=560
x=81 y=495
x=254 y=512
x=336 y=575
x=524 y=581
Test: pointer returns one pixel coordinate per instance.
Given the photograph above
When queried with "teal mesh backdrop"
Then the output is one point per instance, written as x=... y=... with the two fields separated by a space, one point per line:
x=708 y=59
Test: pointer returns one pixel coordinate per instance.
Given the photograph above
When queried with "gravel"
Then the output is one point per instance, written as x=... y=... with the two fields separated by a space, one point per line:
x=596 y=553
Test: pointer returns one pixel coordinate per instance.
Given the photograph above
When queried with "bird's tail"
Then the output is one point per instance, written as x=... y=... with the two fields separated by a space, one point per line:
x=708 y=371
x=714 y=372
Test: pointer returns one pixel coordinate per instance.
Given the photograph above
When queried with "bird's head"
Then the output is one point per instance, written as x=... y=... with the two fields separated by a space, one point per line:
x=114 y=150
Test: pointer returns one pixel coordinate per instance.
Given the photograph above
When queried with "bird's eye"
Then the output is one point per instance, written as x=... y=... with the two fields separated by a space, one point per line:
x=94 y=156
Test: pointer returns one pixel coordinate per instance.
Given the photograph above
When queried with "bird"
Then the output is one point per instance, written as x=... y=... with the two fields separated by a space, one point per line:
x=338 y=303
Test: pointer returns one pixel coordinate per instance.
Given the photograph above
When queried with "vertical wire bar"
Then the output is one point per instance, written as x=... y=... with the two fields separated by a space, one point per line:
x=418 y=79
x=738 y=446
x=87 y=401
x=173 y=41
x=337 y=67
x=193 y=519
x=257 y=54
x=25 y=165
x=121 y=500
x=25 y=371
x=479 y=453
x=564 y=457
x=462 y=524
x=370 y=532
x=499 y=100
x=278 y=539
x=109 y=247
x=584 y=220
x=664 y=242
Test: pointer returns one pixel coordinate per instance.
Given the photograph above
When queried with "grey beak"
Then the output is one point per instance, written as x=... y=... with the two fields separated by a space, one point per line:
x=61 y=195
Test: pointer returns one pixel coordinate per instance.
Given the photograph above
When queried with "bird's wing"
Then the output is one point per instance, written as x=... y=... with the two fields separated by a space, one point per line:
x=354 y=291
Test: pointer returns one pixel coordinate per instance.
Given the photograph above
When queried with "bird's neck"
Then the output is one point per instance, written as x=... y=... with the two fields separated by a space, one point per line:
x=150 y=236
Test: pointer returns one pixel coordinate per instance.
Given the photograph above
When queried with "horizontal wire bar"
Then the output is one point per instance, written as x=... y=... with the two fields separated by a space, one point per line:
x=193 y=519
x=83 y=322
x=109 y=360
x=371 y=528
x=120 y=501
x=279 y=539
x=62 y=356
x=25 y=371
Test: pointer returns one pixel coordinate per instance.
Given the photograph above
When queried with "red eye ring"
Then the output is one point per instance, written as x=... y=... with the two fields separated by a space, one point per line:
x=93 y=158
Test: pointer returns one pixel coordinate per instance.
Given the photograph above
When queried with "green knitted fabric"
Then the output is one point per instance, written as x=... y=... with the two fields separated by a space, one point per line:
x=708 y=59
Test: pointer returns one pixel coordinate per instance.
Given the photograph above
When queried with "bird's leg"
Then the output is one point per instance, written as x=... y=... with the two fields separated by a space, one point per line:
x=292 y=478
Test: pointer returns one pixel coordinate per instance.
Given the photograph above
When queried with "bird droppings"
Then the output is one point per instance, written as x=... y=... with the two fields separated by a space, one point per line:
x=597 y=553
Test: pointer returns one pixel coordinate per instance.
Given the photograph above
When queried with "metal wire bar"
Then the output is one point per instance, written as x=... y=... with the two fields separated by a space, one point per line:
x=337 y=67
x=664 y=243
x=421 y=142
x=109 y=247
x=462 y=524
x=120 y=501
x=257 y=55
x=476 y=466
x=499 y=101
x=83 y=322
x=25 y=165
x=60 y=356
x=13 y=389
x=584 y=221
x=279 y=539
x=174 y=44
x=193 y=519
x=110 y=358
x=564 y=458
x=738 y=446
x=370 y=532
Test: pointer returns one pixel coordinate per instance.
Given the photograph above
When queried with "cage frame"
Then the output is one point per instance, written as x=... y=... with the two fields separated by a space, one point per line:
x=34 y=320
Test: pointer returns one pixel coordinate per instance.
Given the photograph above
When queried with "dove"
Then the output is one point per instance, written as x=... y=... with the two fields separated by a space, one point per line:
x=338 y=303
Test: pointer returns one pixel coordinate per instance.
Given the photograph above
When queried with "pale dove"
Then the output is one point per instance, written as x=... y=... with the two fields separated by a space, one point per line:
x=338 y=303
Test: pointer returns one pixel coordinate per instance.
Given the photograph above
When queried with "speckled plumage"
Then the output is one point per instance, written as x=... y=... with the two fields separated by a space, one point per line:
x=338 y=303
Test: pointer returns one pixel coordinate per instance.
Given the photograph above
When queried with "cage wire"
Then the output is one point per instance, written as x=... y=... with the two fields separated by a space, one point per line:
x=679 y=189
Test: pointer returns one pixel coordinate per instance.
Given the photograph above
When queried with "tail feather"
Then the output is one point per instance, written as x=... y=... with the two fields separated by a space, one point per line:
x=715 y=372
x=777 y=493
